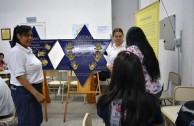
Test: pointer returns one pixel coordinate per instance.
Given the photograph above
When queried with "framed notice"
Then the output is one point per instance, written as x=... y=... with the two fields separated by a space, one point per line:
x=6 y=34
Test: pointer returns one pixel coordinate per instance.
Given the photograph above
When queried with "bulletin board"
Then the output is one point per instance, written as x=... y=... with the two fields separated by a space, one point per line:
x=148 y=19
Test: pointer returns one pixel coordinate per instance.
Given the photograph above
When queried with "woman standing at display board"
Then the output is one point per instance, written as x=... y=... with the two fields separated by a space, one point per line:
x=117 y=46
x=26 y=78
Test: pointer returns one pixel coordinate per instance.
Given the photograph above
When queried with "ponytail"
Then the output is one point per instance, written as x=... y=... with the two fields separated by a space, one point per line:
x=15 y=38
x=21 y=30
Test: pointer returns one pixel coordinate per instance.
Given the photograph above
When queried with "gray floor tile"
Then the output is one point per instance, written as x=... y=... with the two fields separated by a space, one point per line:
x=75 y=112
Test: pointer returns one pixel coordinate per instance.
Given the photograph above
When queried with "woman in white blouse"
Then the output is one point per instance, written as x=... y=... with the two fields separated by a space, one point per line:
x=26 y=78
x=117 y=46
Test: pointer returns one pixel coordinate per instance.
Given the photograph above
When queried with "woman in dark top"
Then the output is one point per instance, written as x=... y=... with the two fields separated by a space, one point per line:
x=126 y=103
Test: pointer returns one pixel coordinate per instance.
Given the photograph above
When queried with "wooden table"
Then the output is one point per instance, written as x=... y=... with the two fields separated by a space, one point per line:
x=170 y=113
x=5 y=74
x=5 y=79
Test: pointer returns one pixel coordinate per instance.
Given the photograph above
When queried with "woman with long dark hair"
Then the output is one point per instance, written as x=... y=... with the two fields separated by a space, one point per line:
x=139 y=45
x=126 y=102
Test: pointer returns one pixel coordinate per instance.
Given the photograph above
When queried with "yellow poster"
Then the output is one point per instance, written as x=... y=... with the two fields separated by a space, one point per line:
x=148 y=20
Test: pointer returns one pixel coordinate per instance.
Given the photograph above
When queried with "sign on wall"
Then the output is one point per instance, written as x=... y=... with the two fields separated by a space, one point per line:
x=148 y=20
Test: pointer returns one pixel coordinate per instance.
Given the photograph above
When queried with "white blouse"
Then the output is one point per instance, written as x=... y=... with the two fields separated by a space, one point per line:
x=153 y=87
x=22 y=61
x=113 y=52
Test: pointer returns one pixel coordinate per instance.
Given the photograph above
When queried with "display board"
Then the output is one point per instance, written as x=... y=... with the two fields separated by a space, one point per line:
x=83 y=54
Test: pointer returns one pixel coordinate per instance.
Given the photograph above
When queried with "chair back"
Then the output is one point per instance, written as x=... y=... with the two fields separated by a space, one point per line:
x=53 y=73
x=173 y=79
x=72 y=78
x=56 y=82
x=87 y=121
x=183 y=93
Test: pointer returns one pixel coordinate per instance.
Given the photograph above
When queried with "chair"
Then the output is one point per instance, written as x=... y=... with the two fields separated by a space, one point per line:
x=56 y=82
x=8 y=119
x=87 y=121
x=180 y=94
x=86 y=89
x=74 y=80
x=183 y=94
x=173 y=80
x=74 y=84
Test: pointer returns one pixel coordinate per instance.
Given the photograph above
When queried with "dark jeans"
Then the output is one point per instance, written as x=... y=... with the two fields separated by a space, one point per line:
x=28 y=109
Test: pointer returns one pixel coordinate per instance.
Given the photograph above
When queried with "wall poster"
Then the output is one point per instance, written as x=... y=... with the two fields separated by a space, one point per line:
x=148 y=19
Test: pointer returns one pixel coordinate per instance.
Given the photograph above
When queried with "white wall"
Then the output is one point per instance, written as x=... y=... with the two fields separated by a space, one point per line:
x=193 y=47
x=59 y=15
x=183 y=62
x=123 y=13
x=55 y=16
x=188 y=39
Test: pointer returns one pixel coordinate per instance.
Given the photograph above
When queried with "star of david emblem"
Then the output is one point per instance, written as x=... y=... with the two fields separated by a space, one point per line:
x=83 y=54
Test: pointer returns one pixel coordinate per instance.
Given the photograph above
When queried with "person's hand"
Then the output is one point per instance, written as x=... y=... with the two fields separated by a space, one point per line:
x=110 y=68
x=40 y=98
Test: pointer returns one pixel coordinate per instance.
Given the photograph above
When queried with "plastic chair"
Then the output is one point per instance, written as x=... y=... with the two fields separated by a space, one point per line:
x=8 y=119
x=173 y=80
x=87 y=121
x=183 y=94
x=56 y=82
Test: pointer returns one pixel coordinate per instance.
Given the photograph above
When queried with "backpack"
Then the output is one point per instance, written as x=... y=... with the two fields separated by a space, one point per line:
x=186 y=115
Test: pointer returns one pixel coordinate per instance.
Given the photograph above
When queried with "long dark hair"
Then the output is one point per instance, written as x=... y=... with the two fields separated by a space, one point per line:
x=21 y=30
x=136 y=36
x=128 y=83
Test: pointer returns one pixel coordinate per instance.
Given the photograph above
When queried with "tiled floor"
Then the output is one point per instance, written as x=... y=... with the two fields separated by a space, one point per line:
x=75 y=113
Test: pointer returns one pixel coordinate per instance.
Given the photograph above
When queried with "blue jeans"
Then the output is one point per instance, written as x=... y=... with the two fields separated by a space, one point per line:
x=28 y=109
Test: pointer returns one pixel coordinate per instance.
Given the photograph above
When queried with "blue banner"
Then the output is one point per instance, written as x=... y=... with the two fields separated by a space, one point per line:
x=83 y=54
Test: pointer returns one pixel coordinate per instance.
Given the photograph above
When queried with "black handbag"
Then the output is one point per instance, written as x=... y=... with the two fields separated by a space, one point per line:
x=103 y=75
x=186 y=115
